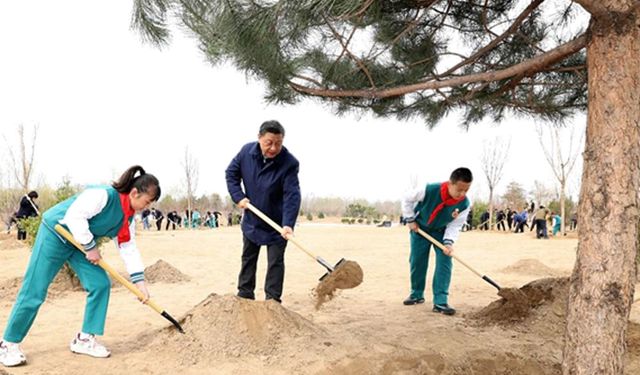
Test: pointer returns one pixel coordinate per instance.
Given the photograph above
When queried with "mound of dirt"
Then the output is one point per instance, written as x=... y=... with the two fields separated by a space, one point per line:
x=348 y=275
x=234 y=327
x=542 y=298
x=163 y=272
x=63 y=282
x=531 y=267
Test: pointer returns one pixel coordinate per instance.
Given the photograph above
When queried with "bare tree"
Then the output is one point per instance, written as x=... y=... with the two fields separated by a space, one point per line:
x=22 y=159
x=494 y=155
x=190 y=165
x=541 y=193
x=562 y=165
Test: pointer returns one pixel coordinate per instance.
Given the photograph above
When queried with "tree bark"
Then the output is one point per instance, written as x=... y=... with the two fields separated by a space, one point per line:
x=602 y=283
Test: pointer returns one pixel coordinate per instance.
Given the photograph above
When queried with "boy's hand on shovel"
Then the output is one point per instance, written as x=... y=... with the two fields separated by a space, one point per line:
x=413 y=226
x=448 y=250
x=143 y=288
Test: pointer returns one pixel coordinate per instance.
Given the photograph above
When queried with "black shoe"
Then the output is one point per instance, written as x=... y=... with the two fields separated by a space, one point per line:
x=444 y=309
x=246 y=296
x=413 y=301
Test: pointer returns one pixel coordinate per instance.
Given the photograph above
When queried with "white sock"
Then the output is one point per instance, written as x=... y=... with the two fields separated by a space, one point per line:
x=10 y=344
x=84 y=336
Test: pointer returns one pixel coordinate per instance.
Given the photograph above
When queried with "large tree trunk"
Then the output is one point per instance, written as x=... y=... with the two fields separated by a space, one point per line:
x=602 y=284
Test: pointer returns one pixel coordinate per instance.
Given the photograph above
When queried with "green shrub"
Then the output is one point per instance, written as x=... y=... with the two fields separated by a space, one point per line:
x=309 y=216
x=321 y=215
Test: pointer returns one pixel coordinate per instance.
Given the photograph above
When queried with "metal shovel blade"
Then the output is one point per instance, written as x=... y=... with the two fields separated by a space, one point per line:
x=334 y=268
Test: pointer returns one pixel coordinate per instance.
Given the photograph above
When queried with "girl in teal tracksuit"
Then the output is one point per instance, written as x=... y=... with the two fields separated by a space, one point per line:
x=440 y=210
x=98 y=211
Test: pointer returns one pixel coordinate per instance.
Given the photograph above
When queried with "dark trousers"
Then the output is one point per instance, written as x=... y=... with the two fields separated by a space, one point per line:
x=275 y=270
x=541 y=232
x=159 y=223
x=22 y=234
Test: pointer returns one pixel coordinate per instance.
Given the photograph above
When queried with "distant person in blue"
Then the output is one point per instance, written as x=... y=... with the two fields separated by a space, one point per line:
x=265 y=174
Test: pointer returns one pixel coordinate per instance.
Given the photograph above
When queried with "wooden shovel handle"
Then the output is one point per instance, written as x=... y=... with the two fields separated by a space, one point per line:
x=277 y=227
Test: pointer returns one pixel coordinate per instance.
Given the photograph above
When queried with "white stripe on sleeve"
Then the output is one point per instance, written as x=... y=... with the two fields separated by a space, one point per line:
x=129 y=252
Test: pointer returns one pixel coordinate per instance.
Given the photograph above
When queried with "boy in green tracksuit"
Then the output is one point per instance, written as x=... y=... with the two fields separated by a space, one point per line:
x=439 y=209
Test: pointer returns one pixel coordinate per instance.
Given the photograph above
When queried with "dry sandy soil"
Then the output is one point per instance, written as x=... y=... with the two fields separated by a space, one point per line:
x=365 y=330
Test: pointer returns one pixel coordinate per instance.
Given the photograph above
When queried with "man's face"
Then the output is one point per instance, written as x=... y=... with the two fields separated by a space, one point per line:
x=270 y=144
x=458 y=189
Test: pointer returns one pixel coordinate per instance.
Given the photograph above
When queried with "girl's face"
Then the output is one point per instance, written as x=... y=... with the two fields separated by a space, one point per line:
x=139 y=201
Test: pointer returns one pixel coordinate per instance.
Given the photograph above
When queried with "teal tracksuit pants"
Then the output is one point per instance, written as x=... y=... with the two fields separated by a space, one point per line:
x=48 y=255
x=419 y=262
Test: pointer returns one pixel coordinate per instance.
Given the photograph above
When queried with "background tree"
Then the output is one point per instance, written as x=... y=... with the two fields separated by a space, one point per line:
x=541 y=194
x=425 y=58
x=23 y=158
x=562 y=165
x=190 y=167
x=494 y=155
x=514 y=197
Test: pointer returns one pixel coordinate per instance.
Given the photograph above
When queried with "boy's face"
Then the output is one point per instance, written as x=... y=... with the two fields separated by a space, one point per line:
x=458 y=189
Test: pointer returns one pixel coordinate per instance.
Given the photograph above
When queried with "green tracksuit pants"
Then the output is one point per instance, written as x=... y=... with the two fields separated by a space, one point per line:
x=49 y=255
x=419 y=262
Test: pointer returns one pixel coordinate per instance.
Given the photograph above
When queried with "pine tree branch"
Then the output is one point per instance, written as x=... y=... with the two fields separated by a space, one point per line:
x=481 y=52
x=525 y=68
x=351 y=55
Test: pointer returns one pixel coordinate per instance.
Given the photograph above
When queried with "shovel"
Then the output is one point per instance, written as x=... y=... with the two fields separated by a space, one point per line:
x=443 y=248
x=277 y=227
x=113 y=273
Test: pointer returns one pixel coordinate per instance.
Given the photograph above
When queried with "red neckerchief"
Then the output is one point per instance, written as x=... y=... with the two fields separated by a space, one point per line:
x=447 y=200
x=123 y=233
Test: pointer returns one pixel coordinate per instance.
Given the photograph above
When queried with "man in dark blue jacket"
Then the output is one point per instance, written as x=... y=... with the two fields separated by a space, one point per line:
x=269 y=175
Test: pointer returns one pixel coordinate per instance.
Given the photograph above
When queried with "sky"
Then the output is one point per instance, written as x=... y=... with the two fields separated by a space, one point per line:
x=103 y=101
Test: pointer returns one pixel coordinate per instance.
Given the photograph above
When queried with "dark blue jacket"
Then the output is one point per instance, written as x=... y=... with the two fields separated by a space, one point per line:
x=272 y=186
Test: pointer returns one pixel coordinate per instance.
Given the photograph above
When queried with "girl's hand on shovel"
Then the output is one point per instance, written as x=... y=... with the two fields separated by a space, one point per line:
x=143 y=288
x=93 y=256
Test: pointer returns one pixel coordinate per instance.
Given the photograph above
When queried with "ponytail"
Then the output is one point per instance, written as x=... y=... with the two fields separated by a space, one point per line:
x=143 y=182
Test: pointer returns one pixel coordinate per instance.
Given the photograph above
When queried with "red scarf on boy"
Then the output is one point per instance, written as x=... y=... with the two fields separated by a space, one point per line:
x=123 y=233
x=447 y=200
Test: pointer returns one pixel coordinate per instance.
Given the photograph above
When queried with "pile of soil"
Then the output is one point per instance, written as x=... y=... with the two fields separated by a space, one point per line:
x=531 y=267
x=544 y=298
x=346 y=276
x=230 y=326
x=63 y=282
x=163 y=272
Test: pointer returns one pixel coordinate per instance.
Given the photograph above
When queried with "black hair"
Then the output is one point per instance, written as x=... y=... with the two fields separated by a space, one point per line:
x=271 y=126
x=144 y=182
x=461 y=174
x=33 y=194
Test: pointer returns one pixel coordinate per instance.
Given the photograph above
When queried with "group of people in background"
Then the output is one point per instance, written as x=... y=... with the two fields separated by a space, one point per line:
x=190 y=219
x=539 y=219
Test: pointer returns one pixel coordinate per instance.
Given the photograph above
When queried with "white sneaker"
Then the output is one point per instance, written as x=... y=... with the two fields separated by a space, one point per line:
x=11 y=355
x=89 y=346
